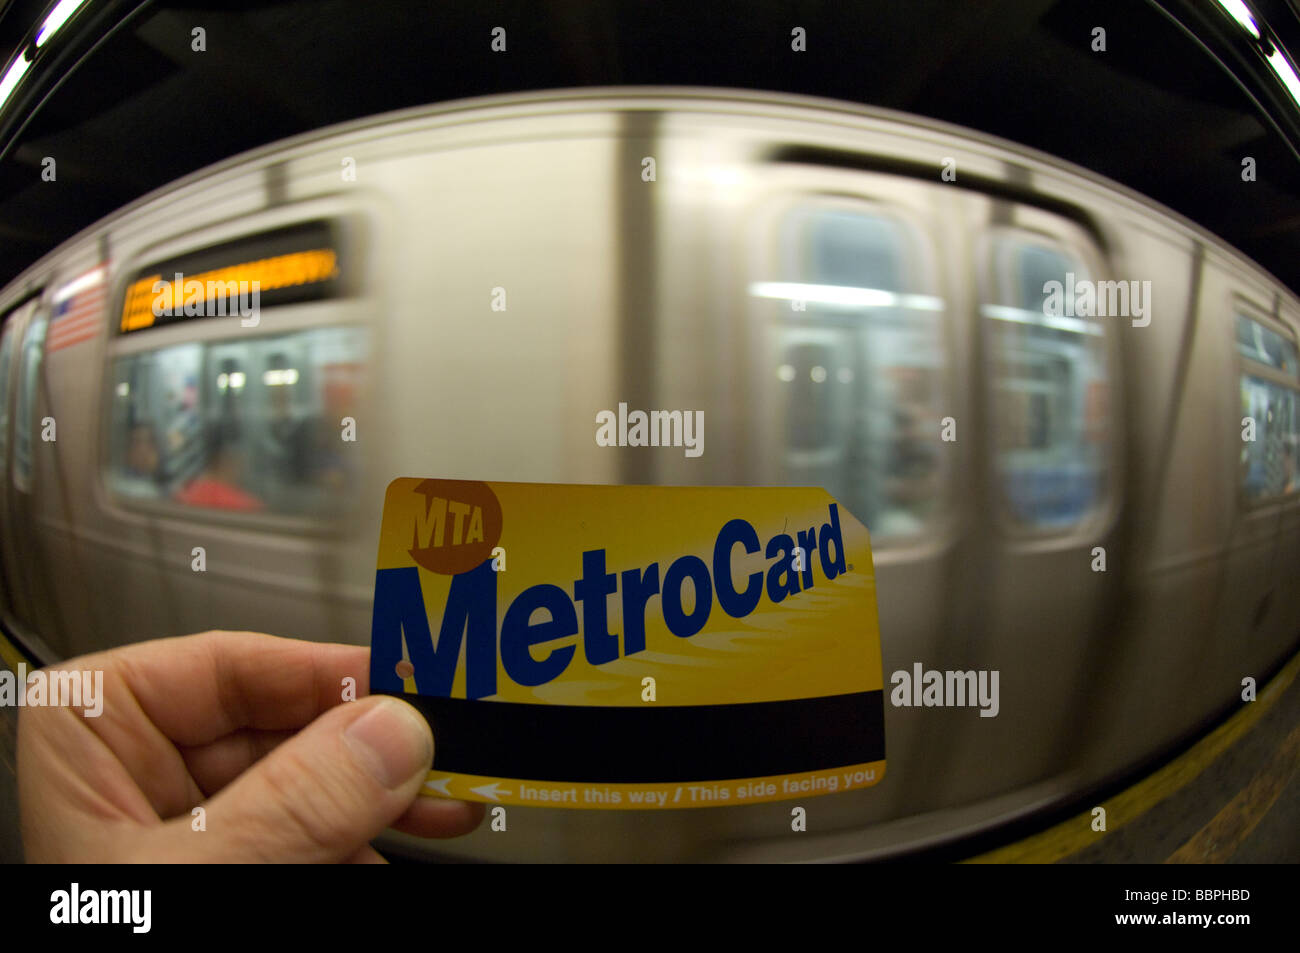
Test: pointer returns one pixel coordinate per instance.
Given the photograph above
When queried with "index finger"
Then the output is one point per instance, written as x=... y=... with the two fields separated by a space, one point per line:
x=198 y=688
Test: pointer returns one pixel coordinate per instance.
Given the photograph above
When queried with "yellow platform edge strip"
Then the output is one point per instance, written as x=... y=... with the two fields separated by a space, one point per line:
x=1219 y=839
x=1076 y=833
x=11 y=655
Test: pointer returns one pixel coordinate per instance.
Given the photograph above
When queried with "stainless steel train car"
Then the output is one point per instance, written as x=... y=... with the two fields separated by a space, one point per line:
x=854 y=298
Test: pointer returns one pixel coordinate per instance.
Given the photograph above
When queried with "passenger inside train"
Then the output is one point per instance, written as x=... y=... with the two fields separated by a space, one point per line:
x=219 y=484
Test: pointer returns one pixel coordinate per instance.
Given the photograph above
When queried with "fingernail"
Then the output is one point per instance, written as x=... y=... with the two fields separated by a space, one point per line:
x=391 y=741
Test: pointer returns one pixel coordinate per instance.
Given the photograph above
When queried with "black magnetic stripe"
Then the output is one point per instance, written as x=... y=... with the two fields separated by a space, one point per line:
x=654 y=743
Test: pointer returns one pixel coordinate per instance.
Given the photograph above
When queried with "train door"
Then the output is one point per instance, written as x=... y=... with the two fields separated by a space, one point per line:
x=1287 y=564
x=851 y=362
x=1048 y=437
x=1265 y=387
x=34 y=437
x=15 y=553
x=8 y=335
x=852 y=372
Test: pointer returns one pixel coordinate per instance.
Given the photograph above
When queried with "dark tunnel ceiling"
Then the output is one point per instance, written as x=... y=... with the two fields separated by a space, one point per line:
x=1154 y=111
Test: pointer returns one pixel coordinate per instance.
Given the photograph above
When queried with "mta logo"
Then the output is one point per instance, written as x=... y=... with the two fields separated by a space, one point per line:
x=456 y=525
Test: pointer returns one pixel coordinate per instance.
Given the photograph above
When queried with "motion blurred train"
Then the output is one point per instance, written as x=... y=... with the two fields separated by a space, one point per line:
x=837 y=288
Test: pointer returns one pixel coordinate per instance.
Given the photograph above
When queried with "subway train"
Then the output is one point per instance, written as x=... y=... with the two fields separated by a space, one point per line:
x=1095 y=496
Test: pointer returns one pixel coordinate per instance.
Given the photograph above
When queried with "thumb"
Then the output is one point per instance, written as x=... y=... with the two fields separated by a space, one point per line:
x=324 y=793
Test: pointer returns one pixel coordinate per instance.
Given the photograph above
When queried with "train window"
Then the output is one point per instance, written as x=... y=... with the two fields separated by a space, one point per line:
x=24 y=414
x=1048 y=375
x=1263 y=345
x=858 y=360
x=1270 y=398
x=253 y=425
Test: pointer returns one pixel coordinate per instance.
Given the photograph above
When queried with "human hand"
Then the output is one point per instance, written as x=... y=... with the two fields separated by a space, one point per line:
x=249 y=727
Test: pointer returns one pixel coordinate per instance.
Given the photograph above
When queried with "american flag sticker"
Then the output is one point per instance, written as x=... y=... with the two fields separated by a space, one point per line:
x=78 y=309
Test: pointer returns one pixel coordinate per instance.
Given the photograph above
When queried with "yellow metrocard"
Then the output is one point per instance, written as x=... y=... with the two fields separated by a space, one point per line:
x=631 y=647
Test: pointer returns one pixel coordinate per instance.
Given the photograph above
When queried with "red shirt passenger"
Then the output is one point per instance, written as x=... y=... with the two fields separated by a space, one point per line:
x=207 y=491
x=217 y=487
